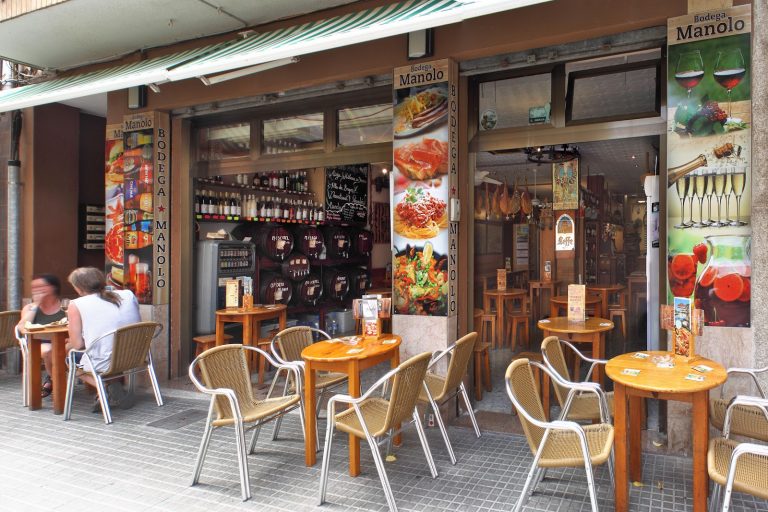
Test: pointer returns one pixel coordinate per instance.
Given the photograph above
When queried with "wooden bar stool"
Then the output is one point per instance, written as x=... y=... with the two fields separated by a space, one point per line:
x=620 y=311
x=542 y=379
x=519 y=318
x=481 y=319
x=206 y=341
x=482 y=368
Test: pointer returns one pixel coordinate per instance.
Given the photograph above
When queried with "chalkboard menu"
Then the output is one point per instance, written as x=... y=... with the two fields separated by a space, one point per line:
x=346 y=194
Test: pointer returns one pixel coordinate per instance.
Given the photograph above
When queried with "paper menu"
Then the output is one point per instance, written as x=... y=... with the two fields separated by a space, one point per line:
x=577 y=311
x=232 y=293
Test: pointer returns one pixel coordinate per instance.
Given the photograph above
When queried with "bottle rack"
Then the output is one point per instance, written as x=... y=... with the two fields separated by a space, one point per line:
x=257 y=188
x=236 y=218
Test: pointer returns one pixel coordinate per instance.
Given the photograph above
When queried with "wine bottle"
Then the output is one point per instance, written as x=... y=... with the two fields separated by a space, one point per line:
x=678 y=172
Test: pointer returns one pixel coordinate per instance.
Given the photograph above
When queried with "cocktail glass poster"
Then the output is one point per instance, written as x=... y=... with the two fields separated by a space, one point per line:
x=565 y=185
x=709 y=163
x=423 y=175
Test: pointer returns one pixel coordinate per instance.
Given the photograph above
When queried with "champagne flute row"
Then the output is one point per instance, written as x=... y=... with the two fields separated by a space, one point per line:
x=704 y=185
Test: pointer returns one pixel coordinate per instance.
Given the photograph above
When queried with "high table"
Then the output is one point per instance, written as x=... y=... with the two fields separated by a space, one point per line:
x=251 y=320
x=591 y=331
x=605 y=291
x=501 y=297
x=334 y=356
x=661 y=384
x=58 y=339
x=560 y=302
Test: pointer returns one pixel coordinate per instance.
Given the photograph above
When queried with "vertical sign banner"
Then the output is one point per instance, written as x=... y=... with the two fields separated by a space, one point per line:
x=146 y=166
x=709 y=158
x=113 y=188
x=425 y=132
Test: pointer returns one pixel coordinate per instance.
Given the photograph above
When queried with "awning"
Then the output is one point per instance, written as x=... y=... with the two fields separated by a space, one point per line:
x=259 y=48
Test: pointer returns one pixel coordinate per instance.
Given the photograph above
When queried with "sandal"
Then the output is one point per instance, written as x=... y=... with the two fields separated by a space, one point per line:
x=47 y=387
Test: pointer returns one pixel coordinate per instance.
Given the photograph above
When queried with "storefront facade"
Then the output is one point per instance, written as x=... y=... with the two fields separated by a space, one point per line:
x=361 y=76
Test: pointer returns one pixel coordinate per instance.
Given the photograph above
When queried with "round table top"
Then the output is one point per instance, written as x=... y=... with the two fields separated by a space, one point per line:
x=606 y=287
x=541 y=283
x=563 y=299
x=509 y=292
x=337 y=350
x=562 y=324
x=272 y=308
x=664 y=380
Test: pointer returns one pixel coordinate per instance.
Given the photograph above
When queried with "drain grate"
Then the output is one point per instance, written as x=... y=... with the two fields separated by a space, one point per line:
x=180 y=419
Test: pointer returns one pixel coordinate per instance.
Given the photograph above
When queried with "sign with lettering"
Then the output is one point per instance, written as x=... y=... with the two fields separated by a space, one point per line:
x=423 y=190
x=146 y=188
x=565 y=233
x=709 y=140
x=346 y=194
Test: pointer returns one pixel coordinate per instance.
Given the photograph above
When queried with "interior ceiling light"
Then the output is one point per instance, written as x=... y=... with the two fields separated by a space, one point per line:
x=552 y=155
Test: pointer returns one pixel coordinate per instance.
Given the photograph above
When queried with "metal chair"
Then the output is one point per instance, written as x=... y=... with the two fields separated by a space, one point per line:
x=438 y=389
x=375 y=418
x=11 y=339
x=746 y=420
x=557 y=444
x=738 y=466
x=226 y=377
x=131 y=354
x=575 y=405
x=286 y=347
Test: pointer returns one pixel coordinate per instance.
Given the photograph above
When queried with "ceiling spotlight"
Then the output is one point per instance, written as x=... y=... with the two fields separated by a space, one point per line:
x=384 y=170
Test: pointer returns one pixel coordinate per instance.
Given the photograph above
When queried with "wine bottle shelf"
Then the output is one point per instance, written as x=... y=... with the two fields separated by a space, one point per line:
x=236 y=218
x=235 y=186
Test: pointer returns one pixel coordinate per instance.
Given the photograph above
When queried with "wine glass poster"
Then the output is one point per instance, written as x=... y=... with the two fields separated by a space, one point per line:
x=709 y=126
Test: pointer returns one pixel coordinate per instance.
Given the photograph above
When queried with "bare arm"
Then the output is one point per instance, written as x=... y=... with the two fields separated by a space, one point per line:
x=75 y=328
x=27 y=315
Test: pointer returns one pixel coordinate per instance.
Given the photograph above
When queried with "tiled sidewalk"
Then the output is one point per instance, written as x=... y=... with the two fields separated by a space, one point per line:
x=82 y=465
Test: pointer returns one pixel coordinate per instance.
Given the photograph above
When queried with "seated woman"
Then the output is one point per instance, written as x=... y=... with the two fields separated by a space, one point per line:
x=95 y=313
x=44 y=309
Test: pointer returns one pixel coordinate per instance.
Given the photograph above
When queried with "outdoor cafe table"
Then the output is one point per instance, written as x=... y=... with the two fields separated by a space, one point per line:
x=58 y=337
x=334 y=356
x=501 y=297
x=591 y=331
x=560 y=302
x=661 y=384
x=251 y=319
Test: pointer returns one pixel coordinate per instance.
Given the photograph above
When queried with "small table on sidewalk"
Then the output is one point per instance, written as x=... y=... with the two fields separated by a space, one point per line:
x=501 y=297
x=334 y=356
x=58 y=337
x=591 y=331
x=251 y=320
x=661 y=384
x=560 y=302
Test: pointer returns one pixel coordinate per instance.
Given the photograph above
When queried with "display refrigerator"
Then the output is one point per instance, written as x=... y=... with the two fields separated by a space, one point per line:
x=218 y=261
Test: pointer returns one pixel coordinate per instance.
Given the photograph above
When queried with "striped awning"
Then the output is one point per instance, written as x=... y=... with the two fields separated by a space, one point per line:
x=260 y=48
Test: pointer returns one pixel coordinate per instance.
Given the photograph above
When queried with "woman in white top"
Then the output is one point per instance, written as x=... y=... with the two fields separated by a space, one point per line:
x=95 y=313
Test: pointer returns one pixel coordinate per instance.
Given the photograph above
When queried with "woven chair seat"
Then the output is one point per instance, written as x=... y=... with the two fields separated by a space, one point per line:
x=562 y=448
x=745 y=421
x=435 y=383
x=585 y=407
x=751 y=470
x=259 y=410
x=374 y=411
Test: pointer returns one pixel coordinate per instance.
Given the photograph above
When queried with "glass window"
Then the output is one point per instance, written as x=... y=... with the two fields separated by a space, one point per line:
x=365 y=125
x=224 y=141
x=515 y=102
x=624 y=93
x=292 y=134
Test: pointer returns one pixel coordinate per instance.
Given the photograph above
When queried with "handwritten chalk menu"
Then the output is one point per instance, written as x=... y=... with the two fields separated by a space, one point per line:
x=346 y=194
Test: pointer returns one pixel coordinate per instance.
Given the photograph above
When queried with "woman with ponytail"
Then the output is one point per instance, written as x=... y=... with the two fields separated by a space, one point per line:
x=96 y=312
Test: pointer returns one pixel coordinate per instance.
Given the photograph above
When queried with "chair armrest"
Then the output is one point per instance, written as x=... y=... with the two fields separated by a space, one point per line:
x=437 y=355
x=226 y=392
x=581 y=356
x=577 y=387
x=294 y=367
x=752 y=372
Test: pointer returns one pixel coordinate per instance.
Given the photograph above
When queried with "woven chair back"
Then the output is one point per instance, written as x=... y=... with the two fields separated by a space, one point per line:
x=292 y=341
x=554 y=350
x=8 y=321
x=460 y=356
x=408 y=383
x=226 y=367
x=130 y=347
x=525 y=391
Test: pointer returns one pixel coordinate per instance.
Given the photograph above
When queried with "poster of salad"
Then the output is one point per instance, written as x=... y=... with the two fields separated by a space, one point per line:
x=114 y=200
x=423 y=178
x=709 y=163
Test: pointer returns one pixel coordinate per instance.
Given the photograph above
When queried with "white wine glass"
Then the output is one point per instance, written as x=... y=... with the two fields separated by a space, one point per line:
x=681 y=187
x=738 y=181
x=700 y=190
x=64 y=304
